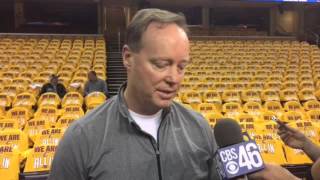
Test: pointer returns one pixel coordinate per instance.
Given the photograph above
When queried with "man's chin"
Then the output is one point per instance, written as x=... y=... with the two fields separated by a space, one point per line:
x=164 y=103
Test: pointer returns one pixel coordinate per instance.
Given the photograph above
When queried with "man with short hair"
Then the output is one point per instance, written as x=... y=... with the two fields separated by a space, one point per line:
x=54 y=86
x=141 y=134
x=94 y=84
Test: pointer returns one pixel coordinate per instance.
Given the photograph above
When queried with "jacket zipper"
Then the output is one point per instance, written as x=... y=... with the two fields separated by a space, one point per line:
x=155 y=146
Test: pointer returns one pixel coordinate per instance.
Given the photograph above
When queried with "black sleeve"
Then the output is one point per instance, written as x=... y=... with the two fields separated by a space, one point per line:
x=71 y=156
x=43 y=89
x=63 y=91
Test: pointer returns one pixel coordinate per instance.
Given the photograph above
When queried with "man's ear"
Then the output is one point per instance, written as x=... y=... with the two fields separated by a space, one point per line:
x=127 y=57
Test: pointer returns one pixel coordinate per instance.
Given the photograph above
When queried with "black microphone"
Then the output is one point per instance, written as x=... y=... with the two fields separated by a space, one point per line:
x=235 y=156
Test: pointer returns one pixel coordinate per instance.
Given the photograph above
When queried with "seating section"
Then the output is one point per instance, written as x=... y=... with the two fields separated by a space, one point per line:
x=253 y=80
x=31 y=124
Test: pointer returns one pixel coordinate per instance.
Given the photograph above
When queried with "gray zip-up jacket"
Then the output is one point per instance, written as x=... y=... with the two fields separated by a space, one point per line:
x=107 y=144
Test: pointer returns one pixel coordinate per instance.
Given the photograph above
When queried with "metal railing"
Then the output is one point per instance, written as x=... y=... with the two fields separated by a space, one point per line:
x=314 y=37
x=119 y=40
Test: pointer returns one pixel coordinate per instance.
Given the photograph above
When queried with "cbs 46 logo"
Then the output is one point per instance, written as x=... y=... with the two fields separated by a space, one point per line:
x=242 y=156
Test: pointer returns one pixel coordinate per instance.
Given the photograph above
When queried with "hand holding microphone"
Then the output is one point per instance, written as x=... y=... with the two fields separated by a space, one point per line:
x=296 y=139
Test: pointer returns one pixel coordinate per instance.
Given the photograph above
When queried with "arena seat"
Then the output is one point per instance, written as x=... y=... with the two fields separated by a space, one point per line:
x=270 y=95
x=72 y=98
x=25 y=99
x=73 y=110
x=49 y=99
x=15 y=138
x=231 y=109
x=10 y=162
x=274 y=106
x=293 y=106
x=40 y=158
x=64 y=121
x=35 y=126
x=94 y=99
x=50 y=136
x=48 y=113
x=20 y=114
x=311 y=105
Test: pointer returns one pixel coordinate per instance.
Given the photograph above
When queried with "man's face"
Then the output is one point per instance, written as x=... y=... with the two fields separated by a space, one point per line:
x=54 y=81
x=92 y=77
x=156 y=71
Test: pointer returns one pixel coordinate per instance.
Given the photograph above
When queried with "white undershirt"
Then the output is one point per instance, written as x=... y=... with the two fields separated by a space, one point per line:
x=148 y=123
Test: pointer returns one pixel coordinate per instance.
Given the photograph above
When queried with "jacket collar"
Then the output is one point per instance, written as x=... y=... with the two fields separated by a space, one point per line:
x=123 y=107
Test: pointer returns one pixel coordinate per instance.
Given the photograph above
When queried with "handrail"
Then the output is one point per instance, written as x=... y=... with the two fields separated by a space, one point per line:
x=315 y=36
x=119 y=39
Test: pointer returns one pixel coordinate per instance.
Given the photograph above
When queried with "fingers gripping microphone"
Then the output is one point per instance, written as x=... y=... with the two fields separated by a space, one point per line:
x=235 y=156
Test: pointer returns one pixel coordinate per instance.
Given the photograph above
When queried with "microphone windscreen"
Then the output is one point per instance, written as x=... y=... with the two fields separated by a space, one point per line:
x=227 y=132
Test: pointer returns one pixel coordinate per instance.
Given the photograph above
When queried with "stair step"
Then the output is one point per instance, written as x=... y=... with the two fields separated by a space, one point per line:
x=116 y=72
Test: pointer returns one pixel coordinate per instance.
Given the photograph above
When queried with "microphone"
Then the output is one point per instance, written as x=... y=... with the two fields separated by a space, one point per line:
x=235 y=156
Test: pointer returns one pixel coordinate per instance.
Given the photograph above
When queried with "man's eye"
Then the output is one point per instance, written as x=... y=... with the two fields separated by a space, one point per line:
x=182 y=66
x=160 y=65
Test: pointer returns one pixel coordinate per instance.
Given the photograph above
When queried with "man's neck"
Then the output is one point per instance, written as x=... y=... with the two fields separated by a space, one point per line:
x=138 y=106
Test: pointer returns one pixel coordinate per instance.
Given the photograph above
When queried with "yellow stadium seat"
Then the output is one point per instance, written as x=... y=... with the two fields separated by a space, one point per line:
x=220 y=86
x=239 y=86
x=250 y=95
x=249 y=128
x=213 y=117
x=290 y=85
x=313 y=115
x=293 y=106
x=77 y=84
x=15 y=138
x=307 y=85
x=10 y=90
x=82 y=72
x=292 y=116
x=317 y=93
x=49 y=136
x=5 y=101
x=270 y=95
x=10 y=162
x=272 y=151
x=269 y=129
x=191 y=97
x=6 y=123
x=296 y=156
x=252 y=108
x=73 y=110
x=231 y=109
x=308 y=128
x=94 y=99
x=40 y=158
x=26 y=100
x=267 y=116
x=48 y=113
x=273 y=85
x=274 y=106
x=311 y=105
x=35 y=126
x=204 y=108
x=288 y=95
x=231 y=96
x=248 y=118
x=49 y=99
x=306 y=95
x=211 y=96
x=72 y=98
x=64 y=121
x=20 y=114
